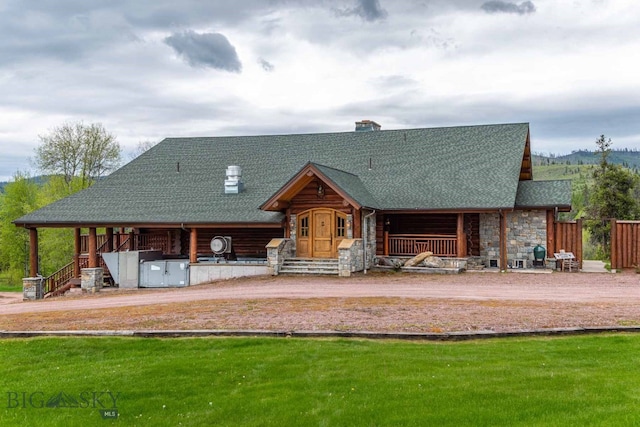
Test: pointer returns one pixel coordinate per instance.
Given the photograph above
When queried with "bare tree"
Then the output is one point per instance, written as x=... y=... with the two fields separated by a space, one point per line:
x=78 y=150
x=142 y=147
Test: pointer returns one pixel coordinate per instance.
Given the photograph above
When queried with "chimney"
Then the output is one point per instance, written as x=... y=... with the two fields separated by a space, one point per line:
x=367 y=125
x=233 y=183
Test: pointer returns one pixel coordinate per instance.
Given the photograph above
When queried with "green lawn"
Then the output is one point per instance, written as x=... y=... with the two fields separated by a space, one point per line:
x=586 y=380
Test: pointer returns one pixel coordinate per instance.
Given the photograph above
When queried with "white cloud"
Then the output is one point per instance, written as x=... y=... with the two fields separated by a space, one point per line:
x=569 y=68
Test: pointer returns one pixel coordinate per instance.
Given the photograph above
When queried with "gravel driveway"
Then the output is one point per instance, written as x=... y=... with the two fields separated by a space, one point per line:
x=373 y=302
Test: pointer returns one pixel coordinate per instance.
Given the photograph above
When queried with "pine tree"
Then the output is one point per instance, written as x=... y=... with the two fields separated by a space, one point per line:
x=611 y=197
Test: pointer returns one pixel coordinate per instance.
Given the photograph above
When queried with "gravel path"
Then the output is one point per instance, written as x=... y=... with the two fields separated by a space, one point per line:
x=373 y=302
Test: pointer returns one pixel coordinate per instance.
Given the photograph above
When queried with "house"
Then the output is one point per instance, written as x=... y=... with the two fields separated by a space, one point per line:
x=464 y=191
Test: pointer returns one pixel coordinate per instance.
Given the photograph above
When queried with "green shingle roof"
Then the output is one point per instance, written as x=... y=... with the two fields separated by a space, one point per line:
x=181 y=180
x=540 y=194
x=350 y=184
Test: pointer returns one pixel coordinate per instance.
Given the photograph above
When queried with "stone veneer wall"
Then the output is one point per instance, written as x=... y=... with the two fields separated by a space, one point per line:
x=277 y=251
x=371 y=239
x=351 y=251
x=525 y=230
x=350 y=257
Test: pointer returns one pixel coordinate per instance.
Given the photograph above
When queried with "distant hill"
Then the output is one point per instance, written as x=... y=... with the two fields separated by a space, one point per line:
x=40 y=179
x=627 y=158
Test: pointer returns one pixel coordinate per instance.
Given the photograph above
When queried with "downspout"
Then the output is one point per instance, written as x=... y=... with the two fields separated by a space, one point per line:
x=364 y=238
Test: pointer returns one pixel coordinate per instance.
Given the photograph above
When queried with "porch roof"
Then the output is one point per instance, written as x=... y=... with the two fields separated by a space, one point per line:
x=181 y=180
x=347 y=184
x=544 y=194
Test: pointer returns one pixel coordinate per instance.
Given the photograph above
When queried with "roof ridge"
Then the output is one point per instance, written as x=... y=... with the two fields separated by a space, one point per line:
x=345 y=132
x=332 y=168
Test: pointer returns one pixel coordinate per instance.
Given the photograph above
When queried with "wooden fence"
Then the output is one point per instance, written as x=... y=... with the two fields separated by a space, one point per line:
x=564 y=235
x=625 y=244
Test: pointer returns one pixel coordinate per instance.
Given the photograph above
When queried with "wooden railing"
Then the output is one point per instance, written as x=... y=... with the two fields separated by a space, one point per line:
x=61 y=277
x=412 y=244
x=140 y=242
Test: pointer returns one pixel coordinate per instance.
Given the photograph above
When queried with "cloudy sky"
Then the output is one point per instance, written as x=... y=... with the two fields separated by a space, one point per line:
x=148 y=69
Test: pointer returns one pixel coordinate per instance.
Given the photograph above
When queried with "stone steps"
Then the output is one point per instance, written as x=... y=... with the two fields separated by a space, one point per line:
x=309 y=266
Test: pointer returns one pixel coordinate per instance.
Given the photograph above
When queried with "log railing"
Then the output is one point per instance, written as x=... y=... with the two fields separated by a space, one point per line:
x=412 y=244
x=57 y=280
x=54 y=283
x=135 y=242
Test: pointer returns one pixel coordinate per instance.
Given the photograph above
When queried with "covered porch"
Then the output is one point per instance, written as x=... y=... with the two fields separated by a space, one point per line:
x=444 y=234
x=193 y=245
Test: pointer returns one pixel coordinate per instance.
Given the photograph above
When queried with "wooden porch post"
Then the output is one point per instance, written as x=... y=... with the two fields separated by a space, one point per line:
x=76 y=252
x=109 y=237
x=503 y=241
x=116 y=239
x=33 y=252
x=193 y=246
x=578 y=241
x=357 y=224
x=460 y=237
x=132 y=241
x=385 y=244
x=93 y=248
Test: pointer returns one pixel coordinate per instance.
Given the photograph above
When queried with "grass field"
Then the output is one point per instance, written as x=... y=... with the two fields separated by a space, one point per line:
x=588 y=380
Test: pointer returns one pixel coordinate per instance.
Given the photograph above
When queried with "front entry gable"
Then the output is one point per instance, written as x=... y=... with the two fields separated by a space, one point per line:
x=321 y=180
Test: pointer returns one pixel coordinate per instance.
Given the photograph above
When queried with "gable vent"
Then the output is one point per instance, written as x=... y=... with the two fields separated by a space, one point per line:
x=233 y=183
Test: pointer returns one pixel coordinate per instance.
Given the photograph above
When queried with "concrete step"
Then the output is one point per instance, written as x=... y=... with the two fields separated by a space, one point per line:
x=309 y=266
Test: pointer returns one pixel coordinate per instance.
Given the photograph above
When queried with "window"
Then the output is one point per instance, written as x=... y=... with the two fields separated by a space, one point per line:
x=341 y=229
x=304 y=227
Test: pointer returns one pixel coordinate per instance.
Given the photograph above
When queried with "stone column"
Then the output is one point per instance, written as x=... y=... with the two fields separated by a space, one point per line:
x=32 y=288
x=92 y=279
x=293 y=229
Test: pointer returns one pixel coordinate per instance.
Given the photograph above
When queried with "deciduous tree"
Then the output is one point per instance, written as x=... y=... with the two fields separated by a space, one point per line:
x=19 y=198
x=76 y=149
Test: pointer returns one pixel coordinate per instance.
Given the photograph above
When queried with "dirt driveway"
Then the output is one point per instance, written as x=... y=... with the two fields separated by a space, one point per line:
x=382 y=302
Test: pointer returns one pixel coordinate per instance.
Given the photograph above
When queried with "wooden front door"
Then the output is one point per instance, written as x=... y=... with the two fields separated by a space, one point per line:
x=323 y=233
x=320 y=232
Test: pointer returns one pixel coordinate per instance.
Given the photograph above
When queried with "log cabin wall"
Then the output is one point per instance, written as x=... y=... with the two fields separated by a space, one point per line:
x=308 y=198
x=380 y=228
x=472 y=230
x=246 y=242
x=422 y=223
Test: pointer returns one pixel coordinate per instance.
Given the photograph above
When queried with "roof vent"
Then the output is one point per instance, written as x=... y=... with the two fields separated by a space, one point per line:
x=367 y=125
x=233 y=183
